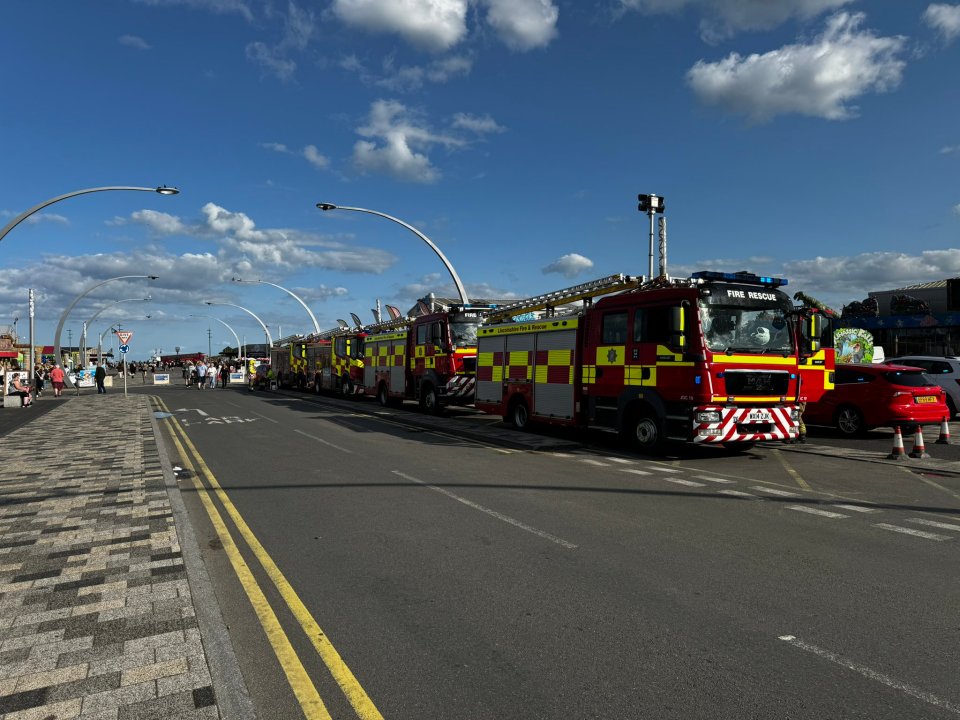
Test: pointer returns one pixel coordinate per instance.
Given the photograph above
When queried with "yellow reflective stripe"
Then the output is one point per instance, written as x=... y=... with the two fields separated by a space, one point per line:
x=485 y=359
x=518 y=357
x=754 y=359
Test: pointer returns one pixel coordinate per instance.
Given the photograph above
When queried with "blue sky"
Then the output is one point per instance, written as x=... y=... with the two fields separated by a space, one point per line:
x=814 y=139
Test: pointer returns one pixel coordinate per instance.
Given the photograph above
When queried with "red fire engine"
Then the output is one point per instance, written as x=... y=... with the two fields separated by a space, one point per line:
x=709 y=359
x=431 y=358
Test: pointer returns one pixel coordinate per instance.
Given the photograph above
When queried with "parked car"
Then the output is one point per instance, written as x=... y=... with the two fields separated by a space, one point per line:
x=883 y=395
x=944 y=371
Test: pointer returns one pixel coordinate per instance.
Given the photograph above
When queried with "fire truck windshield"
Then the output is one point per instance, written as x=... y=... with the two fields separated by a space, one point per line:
x=744 y=329
x=464 y=334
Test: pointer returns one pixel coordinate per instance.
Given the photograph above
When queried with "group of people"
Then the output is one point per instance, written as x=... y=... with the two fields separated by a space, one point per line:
x=42 y=373
x=206 y=376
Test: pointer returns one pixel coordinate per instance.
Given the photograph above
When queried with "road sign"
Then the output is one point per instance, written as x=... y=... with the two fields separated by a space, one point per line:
x=124 y=335
x=124 y=348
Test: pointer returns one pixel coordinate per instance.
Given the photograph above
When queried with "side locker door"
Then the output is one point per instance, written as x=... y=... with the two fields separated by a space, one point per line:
x=518 y=373
x=608 y=360
x=490 y=357
x=397 y=362
x=553 y=389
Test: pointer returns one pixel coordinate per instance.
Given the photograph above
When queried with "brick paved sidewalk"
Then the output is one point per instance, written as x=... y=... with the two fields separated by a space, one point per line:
x=97 y=618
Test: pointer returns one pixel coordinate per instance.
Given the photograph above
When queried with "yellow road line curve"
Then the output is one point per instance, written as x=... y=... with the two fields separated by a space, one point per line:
x=300 y=682
x=361 y=702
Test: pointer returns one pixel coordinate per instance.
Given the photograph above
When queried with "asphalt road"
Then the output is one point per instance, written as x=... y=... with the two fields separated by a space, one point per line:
x=465 y=579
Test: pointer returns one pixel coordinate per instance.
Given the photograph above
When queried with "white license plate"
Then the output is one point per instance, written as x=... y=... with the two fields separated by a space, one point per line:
x=759 y=416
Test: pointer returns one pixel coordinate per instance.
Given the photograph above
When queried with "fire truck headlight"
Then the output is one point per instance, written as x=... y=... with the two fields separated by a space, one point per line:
x=710 y=416
x=795 y=414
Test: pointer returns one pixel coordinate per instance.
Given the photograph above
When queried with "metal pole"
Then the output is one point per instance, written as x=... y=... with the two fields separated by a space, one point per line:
x=316 y=325
x=428 y=241
x=651 y=213
x=33 y=359
x=663 y=246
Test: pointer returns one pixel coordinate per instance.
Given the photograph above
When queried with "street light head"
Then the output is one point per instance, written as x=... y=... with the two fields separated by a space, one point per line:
x=164 y=190
x=207 y=302
x=153 y=277
x=326 y=206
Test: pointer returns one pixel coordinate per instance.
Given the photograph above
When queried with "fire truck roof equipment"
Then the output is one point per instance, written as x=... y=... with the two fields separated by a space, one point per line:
x=740 y=277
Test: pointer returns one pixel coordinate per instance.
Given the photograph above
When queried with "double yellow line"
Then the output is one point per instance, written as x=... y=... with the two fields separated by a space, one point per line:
x=303 y=687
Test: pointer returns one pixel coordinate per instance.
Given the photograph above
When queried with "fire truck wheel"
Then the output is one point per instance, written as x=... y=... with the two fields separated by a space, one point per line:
x=382 y=396
x=519 y=415
x=849 y=421
x=642 y=431
x=428 y=399
x=345 y=388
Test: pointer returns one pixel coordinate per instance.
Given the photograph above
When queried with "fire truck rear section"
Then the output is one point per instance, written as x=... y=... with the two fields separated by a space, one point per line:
x=651 y=364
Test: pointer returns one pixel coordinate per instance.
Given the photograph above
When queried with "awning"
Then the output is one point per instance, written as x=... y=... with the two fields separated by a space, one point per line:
x=9 y=354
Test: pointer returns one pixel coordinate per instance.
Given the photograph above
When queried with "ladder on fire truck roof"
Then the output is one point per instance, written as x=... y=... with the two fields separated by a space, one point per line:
x=551 y=300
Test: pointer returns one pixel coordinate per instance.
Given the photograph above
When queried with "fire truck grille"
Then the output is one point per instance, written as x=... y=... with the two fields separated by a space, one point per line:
x=756 y=383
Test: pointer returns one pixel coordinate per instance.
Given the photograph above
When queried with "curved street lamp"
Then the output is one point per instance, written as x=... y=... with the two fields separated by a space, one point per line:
x=93 y=317
x=316 y=325
x=162 y=190
x=251 y=314
x=66 y=313
x=453 y=273
x=235 y=336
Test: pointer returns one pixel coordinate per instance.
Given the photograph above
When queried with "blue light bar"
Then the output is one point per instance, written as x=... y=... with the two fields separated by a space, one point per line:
x=741 y=277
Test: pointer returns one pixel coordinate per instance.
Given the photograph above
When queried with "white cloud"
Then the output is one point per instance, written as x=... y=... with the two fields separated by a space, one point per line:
x=401 y=133
x=569 y=265
x=479 y=124
x=523 y=24
x=722 y=18
x=408 y=78
x=315 y=158
x=943 y=18
x=159 y=221
x=222 y=7
x=46 y=217
x=956 y=209
x=271 y=60
x=819 y=79
x=276 y=147
x=133 y=41
x=431 y=24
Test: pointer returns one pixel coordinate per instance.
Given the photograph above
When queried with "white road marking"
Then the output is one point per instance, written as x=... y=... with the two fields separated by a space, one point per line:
x=816 y=511
x=634 y=471
x=858 y=508
x=622 y=461
x=661 y=468
x=737 y=493
x=708 y=478
x=324 y=442
x=911 y=531
x=597 y=463
x=488 y=511
x=934 y=523
x=688 y=483
x=774 y=491
x=872 y=674
x=275 y=422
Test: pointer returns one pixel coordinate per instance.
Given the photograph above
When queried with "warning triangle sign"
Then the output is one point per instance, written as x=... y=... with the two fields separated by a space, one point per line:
x=124 y=336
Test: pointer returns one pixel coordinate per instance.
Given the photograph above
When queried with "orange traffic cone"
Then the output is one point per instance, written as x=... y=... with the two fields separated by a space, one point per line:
x=944 y=438
x=898 y=453
x=919 y=451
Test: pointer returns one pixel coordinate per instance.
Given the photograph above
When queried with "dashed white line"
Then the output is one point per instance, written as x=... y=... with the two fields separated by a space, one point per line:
x=709 y=478
x=596 y=463
x=622 y=461
x=737 y=493
x=688 y=483
x=661 y=468
x=488 y=511
x=934 y=523
x=872 y=674
x=774 y=491
x=816 y=511
x=634 y=471
x=858 y=508
x=911 y=531
x=324 y=442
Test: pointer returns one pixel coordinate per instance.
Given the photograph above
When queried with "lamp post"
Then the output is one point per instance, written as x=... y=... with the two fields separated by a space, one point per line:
x=66 y=313
x=101 y=310
x=453 y=273
x=162 y=190
x=316 y=325
x=251 y=314
x=235 y=336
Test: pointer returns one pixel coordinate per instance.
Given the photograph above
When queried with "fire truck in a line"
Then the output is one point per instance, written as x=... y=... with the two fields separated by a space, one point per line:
x=714 y=358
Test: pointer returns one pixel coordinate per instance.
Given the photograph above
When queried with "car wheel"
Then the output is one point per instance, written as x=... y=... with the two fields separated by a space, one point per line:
x=382 y=396
x=428 y=400
x=951 y=407
x=850 y=422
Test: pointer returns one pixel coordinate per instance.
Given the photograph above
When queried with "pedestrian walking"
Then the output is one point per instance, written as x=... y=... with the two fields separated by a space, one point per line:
x=39 y=376
x=56 y=378
x=224 y=375
x=100 y=375
x=201 y=375
x=186 y=376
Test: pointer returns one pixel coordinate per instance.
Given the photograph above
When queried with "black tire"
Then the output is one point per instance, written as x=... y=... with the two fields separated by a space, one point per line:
x=951 y=408
x=849 y=421
x=382 y=396
x=519 y=415
x=643 y=432
x=429 y=401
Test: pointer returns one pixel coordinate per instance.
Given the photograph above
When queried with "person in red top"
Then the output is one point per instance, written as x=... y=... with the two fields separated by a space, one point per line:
x=57 y=377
